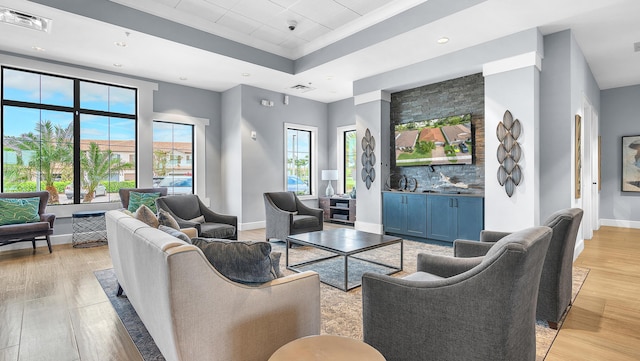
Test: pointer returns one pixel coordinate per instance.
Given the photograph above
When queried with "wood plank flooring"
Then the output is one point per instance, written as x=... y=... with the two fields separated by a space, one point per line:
x=52 y=307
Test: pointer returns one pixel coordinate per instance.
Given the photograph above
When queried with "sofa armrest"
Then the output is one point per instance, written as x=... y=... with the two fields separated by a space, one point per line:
x=445 y=266
x=466 y=248
x=191 y=232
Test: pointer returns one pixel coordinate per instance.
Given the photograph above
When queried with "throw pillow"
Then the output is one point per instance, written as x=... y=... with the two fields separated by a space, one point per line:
x=240 y=261
x=199 y=219
x=136 y=199
x=174 y=232
x=19 y=210
x=145 y=215
x=166 y=219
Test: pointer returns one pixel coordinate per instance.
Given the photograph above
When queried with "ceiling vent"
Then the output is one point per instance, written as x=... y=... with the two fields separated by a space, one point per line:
x=302 y=88
x=636 y=47
x=35 y=22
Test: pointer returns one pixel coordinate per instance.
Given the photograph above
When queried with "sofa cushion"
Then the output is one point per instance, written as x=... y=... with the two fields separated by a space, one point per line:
x=217 y=230
x=175 y=232
x=19 y=210
x=136 y=199
x=241 y=261
x=146 y=215
x=166 y=219
x=304 y=221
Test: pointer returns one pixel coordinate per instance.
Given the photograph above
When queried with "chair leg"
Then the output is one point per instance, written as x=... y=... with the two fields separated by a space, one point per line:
x=33 y=243
x=49 y=244
x=120 y=290
x=553 y=325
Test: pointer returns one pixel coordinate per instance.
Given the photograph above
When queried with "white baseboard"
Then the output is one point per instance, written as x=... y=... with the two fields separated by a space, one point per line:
x=55 y=240
x=619 y=223
x=369 y=227
x=252 y=225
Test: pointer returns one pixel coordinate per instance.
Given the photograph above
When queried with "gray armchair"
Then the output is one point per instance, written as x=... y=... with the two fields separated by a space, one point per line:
x=124 y=193
x=287 y=215
x=480 y=308
x=554 y=296
x=12 y=233
x=186 y=208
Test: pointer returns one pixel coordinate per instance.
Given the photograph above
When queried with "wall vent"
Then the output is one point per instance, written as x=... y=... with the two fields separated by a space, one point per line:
x=302 y=88
x=30 y=21
x=636 y=46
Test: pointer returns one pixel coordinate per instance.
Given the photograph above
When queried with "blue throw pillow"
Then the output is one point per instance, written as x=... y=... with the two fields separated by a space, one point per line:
x=19 y=210
x=136 y=199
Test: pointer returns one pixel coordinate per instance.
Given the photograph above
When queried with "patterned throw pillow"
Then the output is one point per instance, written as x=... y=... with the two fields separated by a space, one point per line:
x=136 y=199
x=174 y=232
x=166 y=219
x=19 y=210
x=145 y=215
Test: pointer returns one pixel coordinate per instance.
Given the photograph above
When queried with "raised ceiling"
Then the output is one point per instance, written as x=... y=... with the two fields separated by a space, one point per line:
x=218 y=44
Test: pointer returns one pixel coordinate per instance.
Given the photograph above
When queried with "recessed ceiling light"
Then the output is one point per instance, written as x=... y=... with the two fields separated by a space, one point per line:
x=37 y=48
x=443 y=40
x=117 y=65
x=121 y=44
x=329 y=77
x=183 y=78
x=246 y=74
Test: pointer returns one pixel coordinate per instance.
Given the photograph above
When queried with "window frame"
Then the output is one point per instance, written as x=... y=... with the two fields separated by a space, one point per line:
x=340 y=155
x=77 y=112
x=193 y=148
x=313 y=168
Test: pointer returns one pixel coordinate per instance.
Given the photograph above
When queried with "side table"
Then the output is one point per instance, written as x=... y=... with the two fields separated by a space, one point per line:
x=89 y=229
x=326 y=347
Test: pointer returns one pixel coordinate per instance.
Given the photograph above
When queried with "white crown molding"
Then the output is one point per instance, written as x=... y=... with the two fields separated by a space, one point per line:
x=372 y=97
x=515 y=62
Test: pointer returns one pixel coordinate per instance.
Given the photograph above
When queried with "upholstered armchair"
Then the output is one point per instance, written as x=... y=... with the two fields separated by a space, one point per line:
x=189 y=211
x=32 y=231
x=287 y=215
x=554 y=296
x=480 y=308
x=124 y=193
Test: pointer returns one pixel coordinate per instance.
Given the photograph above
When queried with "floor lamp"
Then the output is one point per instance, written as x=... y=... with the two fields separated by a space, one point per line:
x=330 y=175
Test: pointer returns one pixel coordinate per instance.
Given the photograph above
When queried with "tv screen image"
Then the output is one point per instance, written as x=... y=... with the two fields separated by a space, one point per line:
x=434 y=142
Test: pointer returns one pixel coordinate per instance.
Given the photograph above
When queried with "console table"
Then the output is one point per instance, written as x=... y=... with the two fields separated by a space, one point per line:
x=338 y=209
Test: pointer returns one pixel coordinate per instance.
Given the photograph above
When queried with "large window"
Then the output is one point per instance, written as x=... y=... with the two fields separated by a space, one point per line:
x=300 y=168
x=173 y=157
x=71 y=137
x=349 y=155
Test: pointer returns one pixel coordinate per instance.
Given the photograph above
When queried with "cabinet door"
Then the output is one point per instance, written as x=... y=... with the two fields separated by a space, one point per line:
x=469 y=219
x=394 y=212
x=439 y=218
x=416 y=208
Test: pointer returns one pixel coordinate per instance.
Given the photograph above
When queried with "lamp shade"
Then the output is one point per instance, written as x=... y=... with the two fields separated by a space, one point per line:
x=330 y=175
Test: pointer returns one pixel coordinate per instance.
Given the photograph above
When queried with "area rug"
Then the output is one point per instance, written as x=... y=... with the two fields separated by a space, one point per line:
x=341 y=311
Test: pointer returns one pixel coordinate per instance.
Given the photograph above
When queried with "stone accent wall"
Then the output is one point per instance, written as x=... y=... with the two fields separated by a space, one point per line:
x=453 y=97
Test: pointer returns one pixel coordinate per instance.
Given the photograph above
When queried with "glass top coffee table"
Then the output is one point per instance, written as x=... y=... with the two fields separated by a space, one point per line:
x=345 y=257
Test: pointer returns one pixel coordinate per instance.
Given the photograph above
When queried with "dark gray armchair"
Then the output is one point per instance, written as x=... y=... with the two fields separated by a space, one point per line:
x=187 y=208
x=12 y=233
x=287 y=215
x=125 y=193
x=554 y=296
x=480 y=308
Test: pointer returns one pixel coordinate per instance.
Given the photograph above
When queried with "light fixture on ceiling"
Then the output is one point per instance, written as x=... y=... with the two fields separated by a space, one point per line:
x=246 y=74
x=443 y=40
x=121 y=44
x=183 y=78
x=37 y=48
x=25 y=20
x=117 y=65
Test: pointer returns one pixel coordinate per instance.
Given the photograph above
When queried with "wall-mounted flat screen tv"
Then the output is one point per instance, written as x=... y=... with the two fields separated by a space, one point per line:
x=441 y=141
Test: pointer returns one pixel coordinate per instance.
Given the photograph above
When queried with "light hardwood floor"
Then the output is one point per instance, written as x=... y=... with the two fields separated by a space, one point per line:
x=52 y=307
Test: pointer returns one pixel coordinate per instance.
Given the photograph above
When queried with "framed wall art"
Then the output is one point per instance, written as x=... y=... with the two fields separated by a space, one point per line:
x=631 y=163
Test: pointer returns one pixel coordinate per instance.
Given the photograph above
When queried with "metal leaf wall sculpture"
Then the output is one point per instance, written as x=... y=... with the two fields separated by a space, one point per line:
x=509 y=153
x=368 y=159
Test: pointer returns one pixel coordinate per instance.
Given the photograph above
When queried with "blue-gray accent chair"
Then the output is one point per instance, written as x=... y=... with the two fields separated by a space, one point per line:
x=285 y=215
x=480 y=308
x=185 y=208
x=554 y=296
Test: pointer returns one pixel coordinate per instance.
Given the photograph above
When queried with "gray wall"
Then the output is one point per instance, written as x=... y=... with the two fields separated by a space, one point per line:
x=341 y=113
x=453 y=97
x=619 y=117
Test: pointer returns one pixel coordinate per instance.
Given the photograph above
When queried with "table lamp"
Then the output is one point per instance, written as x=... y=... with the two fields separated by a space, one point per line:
x=330 y=175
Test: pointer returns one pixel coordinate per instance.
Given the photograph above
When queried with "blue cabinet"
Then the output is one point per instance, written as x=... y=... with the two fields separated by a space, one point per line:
x=432 y=216
x=454 y=217
x=405 y=214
